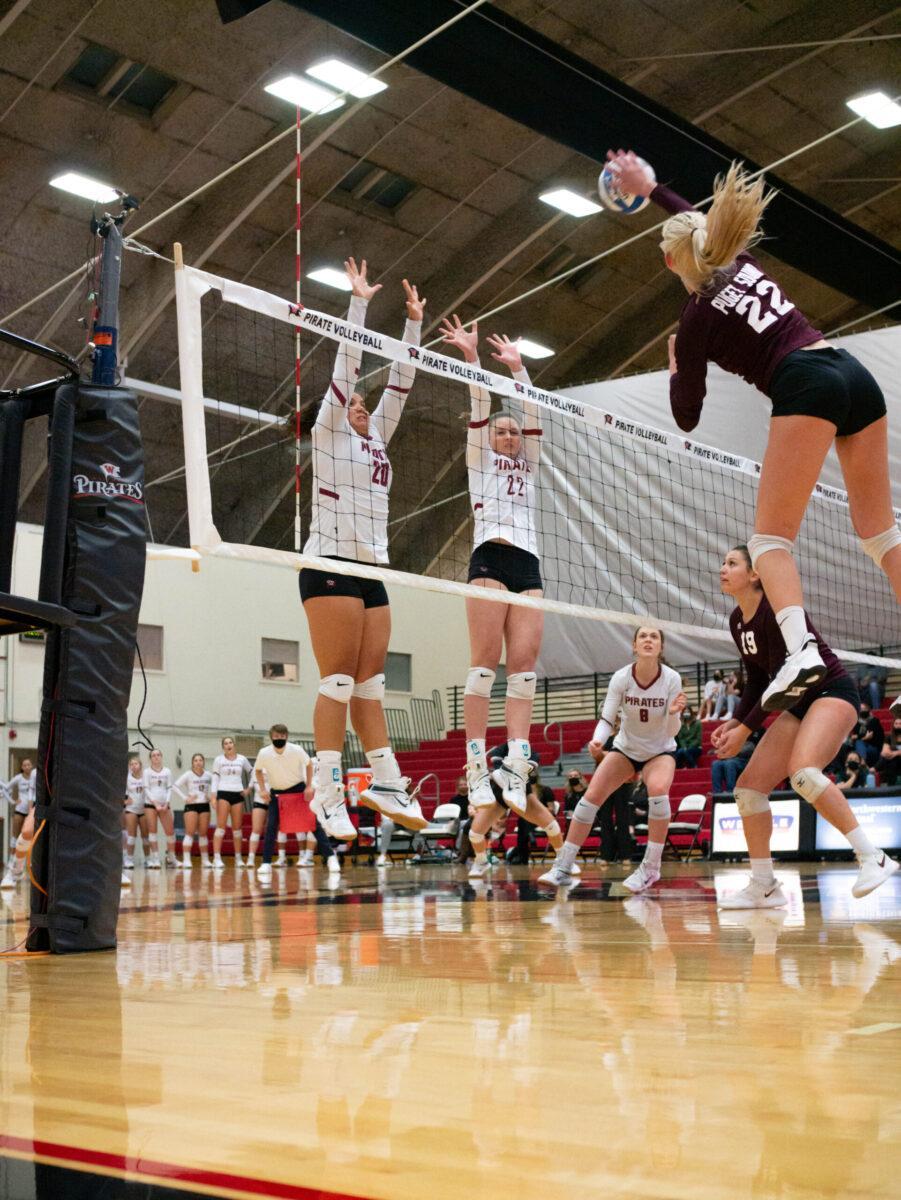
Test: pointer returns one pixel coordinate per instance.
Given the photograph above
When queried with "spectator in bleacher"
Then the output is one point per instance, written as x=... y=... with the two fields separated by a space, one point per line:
x=889 y=765
x=728 y=697
x=575 y=790
x=713 y=689
x=725 y=771
x=870 y=735
x=688 y=740
x=855 y=773
x=871 y=683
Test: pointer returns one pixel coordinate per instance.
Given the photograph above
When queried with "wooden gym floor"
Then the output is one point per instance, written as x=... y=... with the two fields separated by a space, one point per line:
x=409 y=1034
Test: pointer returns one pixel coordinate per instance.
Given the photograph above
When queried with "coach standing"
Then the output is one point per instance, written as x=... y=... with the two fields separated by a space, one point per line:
x=288 y=769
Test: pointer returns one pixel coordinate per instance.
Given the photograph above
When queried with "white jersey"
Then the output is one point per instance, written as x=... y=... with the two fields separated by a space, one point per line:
x=501 y=489
x=157 y=786
x=194 y=788
x=351 y=474
x=648 y=728
x=134 y=792
x=229 y=774
x=25 y=789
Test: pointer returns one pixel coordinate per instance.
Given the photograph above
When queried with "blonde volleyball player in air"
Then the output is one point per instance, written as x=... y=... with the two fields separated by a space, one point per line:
x=739 y=318
x=797 y=746
x=648 y=695
x=502 y=456
x=349 y=618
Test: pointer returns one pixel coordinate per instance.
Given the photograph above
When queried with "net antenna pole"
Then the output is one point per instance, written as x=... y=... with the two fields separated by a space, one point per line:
x=105 y=333
x=297 y=229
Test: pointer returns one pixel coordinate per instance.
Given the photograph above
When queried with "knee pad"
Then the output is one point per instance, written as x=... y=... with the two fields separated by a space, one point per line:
x=370 y=689
x=585 y=811
x=748 y=802
x=659 y=808
x=553 y=830
x=477 y=840
x=479 y=682
x=521 y=686
x=809 y=783
x=878 y=546
x=337 y=687
x=762 y=543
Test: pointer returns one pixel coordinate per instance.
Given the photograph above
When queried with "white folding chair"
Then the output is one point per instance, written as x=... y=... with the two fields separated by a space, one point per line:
x=688 y=820
x=444 y=824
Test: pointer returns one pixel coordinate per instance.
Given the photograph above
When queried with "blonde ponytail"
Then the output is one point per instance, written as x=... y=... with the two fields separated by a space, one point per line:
x=700 y=244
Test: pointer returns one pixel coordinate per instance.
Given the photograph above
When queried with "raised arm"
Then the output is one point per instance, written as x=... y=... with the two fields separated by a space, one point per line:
x=466 y=340
x=400 y=378
x=349 y=355
x=635 y=179
x=507 y=352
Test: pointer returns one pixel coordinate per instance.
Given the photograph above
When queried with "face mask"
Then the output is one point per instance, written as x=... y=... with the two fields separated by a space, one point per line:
x=279 y=742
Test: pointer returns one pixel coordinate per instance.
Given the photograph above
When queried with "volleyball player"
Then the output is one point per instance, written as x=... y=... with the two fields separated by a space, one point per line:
x=349 y=619
x=231 y=786
x=134 y=810
x=798 y=745
x=739 y=318
x=195 y=787
x=157 y=796
x=502 y=456
x=649 y=698
x=15 y=867
x=24 y=783
x=487 y=815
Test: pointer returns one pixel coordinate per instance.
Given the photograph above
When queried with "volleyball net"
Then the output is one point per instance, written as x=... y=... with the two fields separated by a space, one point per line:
x=632 y=521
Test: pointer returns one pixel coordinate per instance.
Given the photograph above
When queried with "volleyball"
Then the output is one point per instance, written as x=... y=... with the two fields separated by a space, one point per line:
x=614 y=198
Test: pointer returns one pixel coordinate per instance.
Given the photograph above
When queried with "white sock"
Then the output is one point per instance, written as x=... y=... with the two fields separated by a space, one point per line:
x=861 y=844
x=518 y=748
x=475 y=754
x=384 y=765
x=567 y=855
x=762 y=870
x=329 y=769
x=793 y=624
x=186 y=843
x=129 y=846
x=653 y=854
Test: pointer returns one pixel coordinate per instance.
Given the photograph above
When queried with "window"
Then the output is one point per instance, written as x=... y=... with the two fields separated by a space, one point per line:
x=150 y=647
x=280 y=660
x=366 y=181
x=398 y=672
x=102 y=73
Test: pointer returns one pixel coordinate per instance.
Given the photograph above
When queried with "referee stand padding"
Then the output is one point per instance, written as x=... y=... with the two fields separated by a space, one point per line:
x=92 y=579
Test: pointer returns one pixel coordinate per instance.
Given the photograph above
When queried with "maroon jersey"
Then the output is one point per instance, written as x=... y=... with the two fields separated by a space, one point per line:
x=762 y=649
x=745 y=324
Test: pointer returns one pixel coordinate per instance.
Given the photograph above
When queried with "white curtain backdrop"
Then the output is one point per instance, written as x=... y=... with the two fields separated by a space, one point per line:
x=735 y=419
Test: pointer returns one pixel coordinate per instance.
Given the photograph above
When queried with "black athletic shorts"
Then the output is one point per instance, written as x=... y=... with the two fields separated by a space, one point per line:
x=198 y=808
x=259 y=804
x=638 y=765
x=843 y=688
x=321 y=583
x=517 y=570
x=827 y=383
x=230 y=797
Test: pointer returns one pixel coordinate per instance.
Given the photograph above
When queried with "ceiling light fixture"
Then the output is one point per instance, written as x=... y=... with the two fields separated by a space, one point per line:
x=331 y=278
x=877 y=108
x=84 y=186
x=345 y=78
x=305 y=94
x=530 y=349
x=570 y=202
